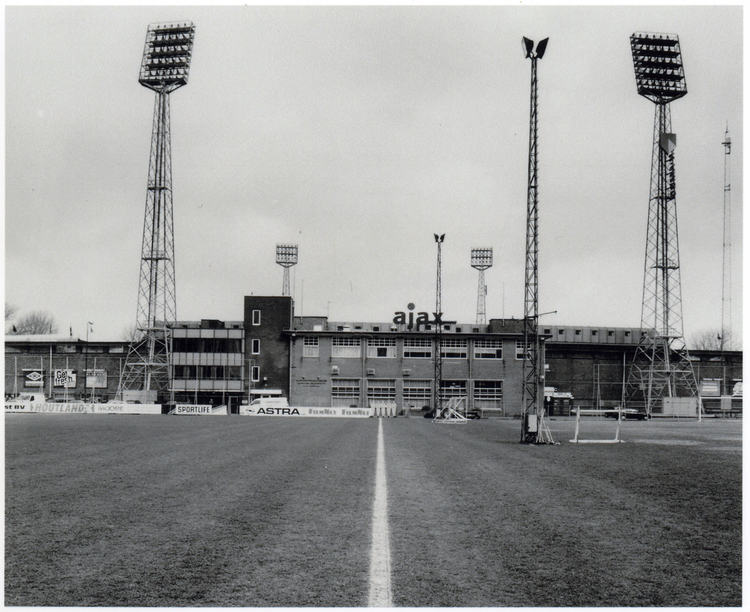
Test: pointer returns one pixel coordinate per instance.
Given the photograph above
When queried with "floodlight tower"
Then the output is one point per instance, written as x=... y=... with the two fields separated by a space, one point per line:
x=481 y=259
x=164 y=68
x=661 y=365
x=533 y=429
x=286 y=257
x=726 y=267
x=439 y=239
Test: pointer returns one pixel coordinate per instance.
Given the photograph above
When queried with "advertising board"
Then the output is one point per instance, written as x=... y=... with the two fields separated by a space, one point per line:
x=305 y=411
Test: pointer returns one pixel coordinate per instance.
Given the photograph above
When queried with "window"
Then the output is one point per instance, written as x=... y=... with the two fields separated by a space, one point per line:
x=453 y=348
x=488 y=394
x=256 y=347
x=452 y=388
x=310 y=347
x=488 y=349
x=381 y=347
x=417 y=393
x=381 y=390
x=417 y=348
x=345 y=392
x=256 y=317
x=345 y=348
x=255 y=373
x=519 y=349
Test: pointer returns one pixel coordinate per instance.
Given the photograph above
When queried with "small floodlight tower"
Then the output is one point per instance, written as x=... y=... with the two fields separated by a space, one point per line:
x=661 y=365
x=438 y=407
x=286 y=257
x=534 y=431
x=481 y=259
x=164 y=68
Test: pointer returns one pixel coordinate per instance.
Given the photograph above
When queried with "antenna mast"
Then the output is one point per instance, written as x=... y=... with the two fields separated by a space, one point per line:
x=726 y=267
x=437 y=409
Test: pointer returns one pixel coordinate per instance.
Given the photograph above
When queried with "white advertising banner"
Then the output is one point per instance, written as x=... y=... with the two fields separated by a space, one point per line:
x=96 y=379
x=200 y=409
x=305 y=411
x=81 y=408
x=125 y=408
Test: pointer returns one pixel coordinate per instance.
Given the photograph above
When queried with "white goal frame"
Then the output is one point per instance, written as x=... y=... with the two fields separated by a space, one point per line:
x=579 y=412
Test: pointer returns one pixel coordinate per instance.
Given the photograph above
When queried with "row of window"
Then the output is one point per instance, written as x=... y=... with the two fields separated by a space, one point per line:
x=214 y=372
x=346 y=392
x=414 y=348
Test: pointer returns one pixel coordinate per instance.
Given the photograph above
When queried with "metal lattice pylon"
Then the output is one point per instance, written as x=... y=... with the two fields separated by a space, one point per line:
x=661 y=365
x=534 y=429
x=165 y=66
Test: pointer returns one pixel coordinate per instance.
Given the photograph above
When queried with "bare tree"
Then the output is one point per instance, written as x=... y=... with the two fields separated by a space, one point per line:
x=711 y=340
x=10 y=310
x=37 y=322
x=132 y=334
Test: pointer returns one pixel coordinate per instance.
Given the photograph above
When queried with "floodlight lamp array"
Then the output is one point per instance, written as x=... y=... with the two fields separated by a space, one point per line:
x=166 y=55
x=286 y=254
x=659 y=74
x=481 y=258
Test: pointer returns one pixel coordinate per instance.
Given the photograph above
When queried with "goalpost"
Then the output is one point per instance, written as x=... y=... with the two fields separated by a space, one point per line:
x=579 y=412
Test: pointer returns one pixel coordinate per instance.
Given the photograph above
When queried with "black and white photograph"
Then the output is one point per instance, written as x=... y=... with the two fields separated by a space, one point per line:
x=463 y=282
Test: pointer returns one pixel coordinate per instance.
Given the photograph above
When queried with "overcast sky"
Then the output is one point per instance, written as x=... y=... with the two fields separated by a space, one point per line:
x=357 y=133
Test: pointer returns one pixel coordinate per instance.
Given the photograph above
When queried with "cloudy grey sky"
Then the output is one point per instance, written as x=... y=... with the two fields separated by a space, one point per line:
x=358 y=133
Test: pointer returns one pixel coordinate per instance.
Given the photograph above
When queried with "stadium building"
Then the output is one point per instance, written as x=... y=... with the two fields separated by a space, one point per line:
x=317 y=362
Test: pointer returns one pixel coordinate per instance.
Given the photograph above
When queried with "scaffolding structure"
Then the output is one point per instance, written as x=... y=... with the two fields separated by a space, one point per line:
x=146 y=373
x=661 y=365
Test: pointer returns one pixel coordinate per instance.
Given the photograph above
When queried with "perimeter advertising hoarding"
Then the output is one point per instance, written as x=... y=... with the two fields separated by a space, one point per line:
x=304 y=411
x=81 y=408
x=200 y=410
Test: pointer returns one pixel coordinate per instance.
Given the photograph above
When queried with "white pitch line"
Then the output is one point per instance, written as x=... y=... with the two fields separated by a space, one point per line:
x=380 y=553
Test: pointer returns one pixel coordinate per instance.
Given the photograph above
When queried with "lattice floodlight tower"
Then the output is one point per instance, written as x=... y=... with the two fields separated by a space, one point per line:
x=534 y=429
x=661 y=365
x=286 y=257
x=481 y=259
x=164 y=68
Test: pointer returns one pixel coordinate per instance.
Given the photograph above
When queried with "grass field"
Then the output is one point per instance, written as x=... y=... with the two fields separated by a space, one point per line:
x=263 y=511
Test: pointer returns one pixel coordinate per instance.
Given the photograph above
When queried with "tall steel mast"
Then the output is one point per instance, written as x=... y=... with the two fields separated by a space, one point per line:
x=661 y=365
x=438 y=322
x=534 y=430
x=726 y=265
x=164 y=68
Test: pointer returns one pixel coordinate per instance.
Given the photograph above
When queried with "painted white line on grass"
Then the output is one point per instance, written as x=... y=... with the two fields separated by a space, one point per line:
x=380 y=553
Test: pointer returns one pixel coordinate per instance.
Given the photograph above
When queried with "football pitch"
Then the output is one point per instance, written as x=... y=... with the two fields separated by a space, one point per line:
x=265 y=512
